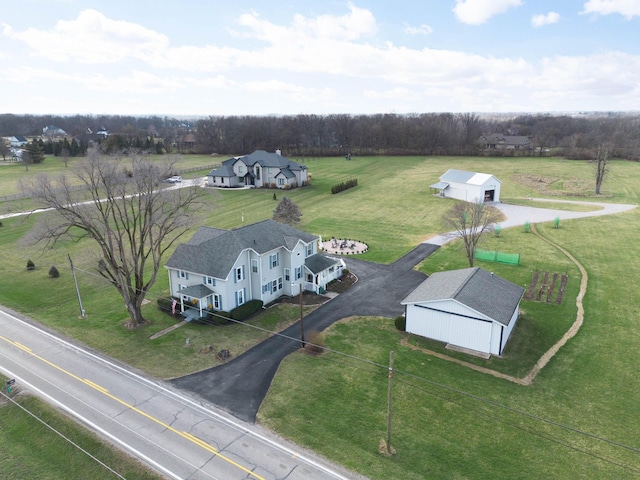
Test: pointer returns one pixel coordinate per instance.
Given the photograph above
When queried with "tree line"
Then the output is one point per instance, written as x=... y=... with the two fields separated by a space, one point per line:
x=579 y=136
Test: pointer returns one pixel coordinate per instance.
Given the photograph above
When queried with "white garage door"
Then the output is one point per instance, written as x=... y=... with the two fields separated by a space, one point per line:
x=469 y=333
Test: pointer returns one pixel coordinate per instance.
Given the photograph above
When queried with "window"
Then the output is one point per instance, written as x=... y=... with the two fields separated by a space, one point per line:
x=281 y=181
x=239 y=275
x=274 y=286
x=298 y=273
x=266 y=288
x=280 y=283
x=287 y=274
x=254 y=266
x=309 y=249
x=258 y=172
x=240 y=297
x=209 y=281
x=217 y=302
x=274 y=260
x=183 y=274
x=240 y=169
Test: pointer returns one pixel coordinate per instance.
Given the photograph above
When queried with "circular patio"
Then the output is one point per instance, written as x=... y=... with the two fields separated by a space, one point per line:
x=344 y=246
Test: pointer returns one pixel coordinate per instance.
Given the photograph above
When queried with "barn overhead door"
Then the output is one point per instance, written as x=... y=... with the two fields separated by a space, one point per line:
x=469 y=333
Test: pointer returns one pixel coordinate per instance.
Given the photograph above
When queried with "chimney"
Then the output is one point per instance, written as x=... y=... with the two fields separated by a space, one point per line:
x=278 y=152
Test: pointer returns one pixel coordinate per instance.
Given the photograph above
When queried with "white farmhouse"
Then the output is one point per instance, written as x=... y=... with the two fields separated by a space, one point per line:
x=220 y=270
x=469 y=186
x=469 y=308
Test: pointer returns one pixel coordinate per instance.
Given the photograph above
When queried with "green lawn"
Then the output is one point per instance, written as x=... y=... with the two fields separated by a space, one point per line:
x=339 y=409
x=29 y=449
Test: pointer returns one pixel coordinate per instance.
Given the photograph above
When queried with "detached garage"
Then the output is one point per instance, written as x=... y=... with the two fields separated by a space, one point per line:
x=469 y=308
x=468 y=186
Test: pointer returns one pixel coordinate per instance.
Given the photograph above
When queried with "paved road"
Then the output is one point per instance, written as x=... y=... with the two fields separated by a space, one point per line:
x=166 y=429
x=240 y=385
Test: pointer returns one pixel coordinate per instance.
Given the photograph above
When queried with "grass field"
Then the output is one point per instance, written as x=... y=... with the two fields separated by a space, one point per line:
x=29 y=449
x=340 y=408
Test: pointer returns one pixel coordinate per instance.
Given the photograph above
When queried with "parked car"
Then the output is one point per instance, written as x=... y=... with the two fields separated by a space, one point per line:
x=174 y=179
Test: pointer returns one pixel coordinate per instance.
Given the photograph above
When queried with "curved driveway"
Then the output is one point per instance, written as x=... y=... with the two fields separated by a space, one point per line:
x=240 y=385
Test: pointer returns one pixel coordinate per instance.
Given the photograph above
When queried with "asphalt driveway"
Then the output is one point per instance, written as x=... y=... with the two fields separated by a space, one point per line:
x=240 y=385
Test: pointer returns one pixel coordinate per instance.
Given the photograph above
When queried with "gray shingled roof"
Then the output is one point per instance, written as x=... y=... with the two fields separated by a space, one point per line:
x=318 y=263
x=476 y=288
x=224 y=170
x=214 y=252
x=196 y=291
x=268 y=159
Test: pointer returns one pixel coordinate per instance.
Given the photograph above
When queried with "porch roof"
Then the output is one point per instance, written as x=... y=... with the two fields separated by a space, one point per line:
x=196 y=291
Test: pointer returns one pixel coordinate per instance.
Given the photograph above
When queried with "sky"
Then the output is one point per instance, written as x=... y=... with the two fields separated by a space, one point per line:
x=285 y=57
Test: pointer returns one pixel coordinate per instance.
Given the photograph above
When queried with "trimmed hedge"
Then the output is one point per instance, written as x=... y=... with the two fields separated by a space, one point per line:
x=245 y=310
x=344 y=186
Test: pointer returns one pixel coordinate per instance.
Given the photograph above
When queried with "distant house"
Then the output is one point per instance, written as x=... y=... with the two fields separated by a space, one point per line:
x=469 y=308
x=51 y=132
x=468 y=186
x=496 y=141
x=18 y=141
x=222 y=269
x=259 y=169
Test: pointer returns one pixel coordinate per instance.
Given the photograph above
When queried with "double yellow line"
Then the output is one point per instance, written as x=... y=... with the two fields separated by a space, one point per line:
x=186 y=435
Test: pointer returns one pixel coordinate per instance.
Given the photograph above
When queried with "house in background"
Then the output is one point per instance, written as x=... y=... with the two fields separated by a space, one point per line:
x=497 y=141
x=469 y=308
x=468 y=186
x=259 y=169
x=51 y=132
x=18 y=141
x=222 y=269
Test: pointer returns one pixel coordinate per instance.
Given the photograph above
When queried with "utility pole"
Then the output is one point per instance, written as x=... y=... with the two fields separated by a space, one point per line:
x=389 y=401
x=301 y=319
x=75 y=280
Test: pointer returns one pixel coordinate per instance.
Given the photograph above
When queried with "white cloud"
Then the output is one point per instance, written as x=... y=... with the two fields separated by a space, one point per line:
x=423 y=29
x=476 y=12
x=91 y=38
x=542 y=19
x=626 y=8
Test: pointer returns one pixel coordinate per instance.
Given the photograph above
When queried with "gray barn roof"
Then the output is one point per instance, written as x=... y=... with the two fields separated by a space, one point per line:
x=476 y=288
x=212 y=252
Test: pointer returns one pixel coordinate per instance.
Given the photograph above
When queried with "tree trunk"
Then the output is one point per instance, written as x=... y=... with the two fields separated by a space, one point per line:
x=134 y=307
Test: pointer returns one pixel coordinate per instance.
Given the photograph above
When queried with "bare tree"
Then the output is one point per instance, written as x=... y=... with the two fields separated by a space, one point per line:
x=131 y=218
x=470 y=221
x=64 y=156
x=5 y=149
x=601 y=163
x=287 y=212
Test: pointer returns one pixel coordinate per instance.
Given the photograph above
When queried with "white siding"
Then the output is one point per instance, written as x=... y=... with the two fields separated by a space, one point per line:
x=469 y=333
x=451 y=322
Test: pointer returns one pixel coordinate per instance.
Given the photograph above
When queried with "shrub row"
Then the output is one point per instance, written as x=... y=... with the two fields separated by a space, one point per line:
x=240 y=313
x=344 y=186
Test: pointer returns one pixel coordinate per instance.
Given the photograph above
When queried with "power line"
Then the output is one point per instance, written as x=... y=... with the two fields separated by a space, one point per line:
x=409 y=375
x=60 y=434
